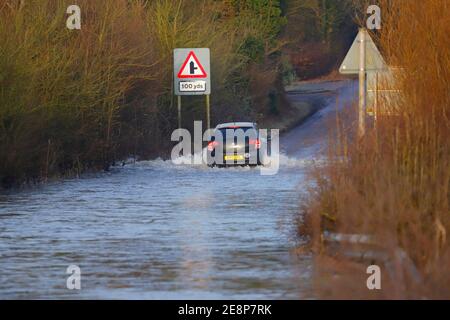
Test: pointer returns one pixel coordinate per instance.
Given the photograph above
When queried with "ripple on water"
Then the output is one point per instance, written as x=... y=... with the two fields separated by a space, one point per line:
x=156 y=230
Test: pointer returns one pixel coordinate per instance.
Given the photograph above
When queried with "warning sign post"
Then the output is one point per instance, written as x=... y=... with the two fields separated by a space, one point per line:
x=192 y=76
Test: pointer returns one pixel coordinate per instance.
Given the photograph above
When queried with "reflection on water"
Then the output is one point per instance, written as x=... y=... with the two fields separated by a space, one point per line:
x=156 y=230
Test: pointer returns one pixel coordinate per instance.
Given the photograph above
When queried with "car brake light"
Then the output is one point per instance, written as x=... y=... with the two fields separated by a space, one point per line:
x=255 y=142
x=212 y=145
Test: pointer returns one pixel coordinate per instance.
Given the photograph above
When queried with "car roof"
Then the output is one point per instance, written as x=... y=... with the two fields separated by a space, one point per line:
x=236 y=124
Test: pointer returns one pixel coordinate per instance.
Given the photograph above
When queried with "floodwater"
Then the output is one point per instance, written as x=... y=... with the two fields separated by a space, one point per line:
x=155 y=230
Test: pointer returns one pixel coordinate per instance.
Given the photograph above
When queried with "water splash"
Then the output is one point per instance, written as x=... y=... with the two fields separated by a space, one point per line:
x=196 y=162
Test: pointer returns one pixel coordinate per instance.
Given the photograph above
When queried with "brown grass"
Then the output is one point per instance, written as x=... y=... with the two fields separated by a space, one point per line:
x=394 y=183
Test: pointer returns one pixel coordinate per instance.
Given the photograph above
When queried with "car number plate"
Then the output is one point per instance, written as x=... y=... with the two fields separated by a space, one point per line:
x=234 y=158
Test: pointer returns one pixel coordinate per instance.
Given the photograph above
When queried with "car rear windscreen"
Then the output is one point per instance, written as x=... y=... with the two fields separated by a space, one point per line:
x=232 y=130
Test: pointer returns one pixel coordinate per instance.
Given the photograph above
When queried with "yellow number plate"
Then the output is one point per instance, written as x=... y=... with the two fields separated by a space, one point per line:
x=234 y=158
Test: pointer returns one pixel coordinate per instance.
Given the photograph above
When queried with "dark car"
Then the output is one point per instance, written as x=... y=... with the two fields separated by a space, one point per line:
x=237 y=144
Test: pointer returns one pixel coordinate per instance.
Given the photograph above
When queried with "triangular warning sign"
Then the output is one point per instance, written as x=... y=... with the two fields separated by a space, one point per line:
x=192 y=68
x=374 y=59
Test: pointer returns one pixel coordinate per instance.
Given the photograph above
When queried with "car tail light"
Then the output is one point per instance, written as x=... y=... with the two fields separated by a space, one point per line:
x=256 y=143
x=212 y=145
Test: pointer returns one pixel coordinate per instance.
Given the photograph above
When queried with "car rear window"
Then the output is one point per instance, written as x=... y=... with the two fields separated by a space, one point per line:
x=233 y=130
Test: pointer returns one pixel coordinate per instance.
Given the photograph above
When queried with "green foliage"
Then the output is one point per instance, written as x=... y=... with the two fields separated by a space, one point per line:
x=324 y=19
x=330 y=16
x=266 y=15
x=288 y=73
x=273 y=103
x=319 y=33
x=253 y=49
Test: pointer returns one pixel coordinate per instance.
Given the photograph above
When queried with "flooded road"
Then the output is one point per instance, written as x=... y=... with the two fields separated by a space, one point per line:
x=155 y=230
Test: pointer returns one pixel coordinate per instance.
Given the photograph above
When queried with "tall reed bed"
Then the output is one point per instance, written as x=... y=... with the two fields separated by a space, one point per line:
x=394 y=183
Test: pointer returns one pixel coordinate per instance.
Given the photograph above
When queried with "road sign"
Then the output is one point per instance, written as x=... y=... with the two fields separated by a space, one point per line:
x=363 y=57
x=192 y=74
x=192 y=68
x=373 y=61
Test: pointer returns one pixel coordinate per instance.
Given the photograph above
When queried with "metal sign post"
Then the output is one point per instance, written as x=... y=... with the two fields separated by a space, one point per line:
x=192 y=76
x=362 y=84
x=208 y=119
x=179 y=111
x=376 y=99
